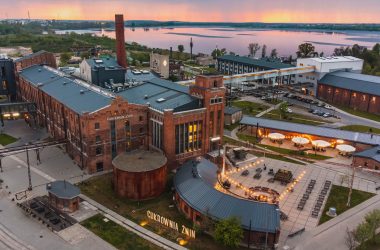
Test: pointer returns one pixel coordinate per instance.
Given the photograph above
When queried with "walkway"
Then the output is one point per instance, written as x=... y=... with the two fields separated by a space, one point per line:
x=269 y=110
x=133 y=227
x=331 y=235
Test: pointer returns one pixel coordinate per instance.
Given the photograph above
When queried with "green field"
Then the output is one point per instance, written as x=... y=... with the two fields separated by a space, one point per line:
x=296 y=118
x=361 y=113
x=338 y=199
x=100 y=189
x=361 y=128
x=250 y=108
x=291 y=152
x=116 y=235
x=6 y=139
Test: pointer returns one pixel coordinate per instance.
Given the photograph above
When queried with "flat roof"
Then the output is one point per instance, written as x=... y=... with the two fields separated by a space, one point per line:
x=372 y=153
x=161 y=94
x=199 y=193
x=139 y=161
x=65 y=89
x=109 y=63
x=63 y=189
x=357 y=82
x=334 y=59
x=231 y=110
x=265 y=63
x=365 y=138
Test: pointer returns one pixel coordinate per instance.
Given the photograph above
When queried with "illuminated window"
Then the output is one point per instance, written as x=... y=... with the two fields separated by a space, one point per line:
x=190 y=128
x=373 y=99
x=364 y=98
x=354 y=94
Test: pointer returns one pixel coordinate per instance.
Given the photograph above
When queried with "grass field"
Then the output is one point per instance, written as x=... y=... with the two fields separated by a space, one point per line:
x=361 y=113
x=6 y=139
x=338 y=199
x=250 y=108
x=295 y=118
x=252 y=140
x=361 y=128
x=116 y=235
x=295 y=153
x=100 y=189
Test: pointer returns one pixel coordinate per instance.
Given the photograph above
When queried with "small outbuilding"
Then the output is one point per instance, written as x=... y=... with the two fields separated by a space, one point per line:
x=232 y=115
x=140 y=174
x=63 y=196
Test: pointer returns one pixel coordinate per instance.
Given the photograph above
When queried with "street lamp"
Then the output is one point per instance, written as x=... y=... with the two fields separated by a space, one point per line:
x=351 y=185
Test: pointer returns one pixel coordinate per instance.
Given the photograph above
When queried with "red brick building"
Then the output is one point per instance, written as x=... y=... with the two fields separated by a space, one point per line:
x=182 y=122
x=200 y=202
x=63 y=196
x=369 y=159
x=357 y=91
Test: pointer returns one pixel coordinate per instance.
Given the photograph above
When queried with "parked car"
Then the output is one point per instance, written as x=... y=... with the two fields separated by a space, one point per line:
x=328 y=106
x=311 y=110
x=289 y=110
x=326 y=115
x=321 y=104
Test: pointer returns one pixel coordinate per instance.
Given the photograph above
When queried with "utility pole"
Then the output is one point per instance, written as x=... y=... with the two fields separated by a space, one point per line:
x=28 y=163
x=191 y=48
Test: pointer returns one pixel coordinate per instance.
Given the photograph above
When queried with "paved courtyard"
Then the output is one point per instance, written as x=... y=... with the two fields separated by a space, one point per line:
x=288 y=204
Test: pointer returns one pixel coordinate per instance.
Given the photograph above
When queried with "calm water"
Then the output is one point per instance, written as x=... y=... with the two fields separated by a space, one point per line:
x=237 y=40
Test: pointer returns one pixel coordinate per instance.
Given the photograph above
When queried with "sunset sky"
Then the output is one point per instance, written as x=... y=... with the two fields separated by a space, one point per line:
x=310 y=11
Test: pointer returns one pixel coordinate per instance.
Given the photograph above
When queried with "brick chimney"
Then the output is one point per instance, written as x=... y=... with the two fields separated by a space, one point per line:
x=120 y=41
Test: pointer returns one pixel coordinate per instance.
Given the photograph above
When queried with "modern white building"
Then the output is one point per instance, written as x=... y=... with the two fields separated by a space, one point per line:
x=160 y=64
x=325 y=65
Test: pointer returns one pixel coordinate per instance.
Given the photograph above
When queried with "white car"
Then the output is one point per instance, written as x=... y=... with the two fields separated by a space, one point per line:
x=289 y=110
x=328 y=106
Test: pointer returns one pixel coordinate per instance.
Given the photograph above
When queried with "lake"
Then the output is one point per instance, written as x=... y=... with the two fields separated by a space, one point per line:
x=206 y=39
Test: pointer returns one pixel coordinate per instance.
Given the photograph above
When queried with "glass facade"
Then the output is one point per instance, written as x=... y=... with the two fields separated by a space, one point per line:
x=188 y=137
x=156 y=134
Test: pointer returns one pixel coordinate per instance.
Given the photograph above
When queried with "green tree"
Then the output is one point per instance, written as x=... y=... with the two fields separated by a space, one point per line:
x=373 y=221
x=181 y=49
x=306 y=50
x=273 y=53
x=264 y=51
x=65 y=57
x=283 y=110
x=218 y=52
x=228 y=232
x=362 y=233
x=253 y=48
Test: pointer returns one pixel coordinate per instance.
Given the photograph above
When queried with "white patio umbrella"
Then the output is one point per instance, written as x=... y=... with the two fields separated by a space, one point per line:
x=346 y=148
x=276 y=136
x=320 y=143
x=300 y=140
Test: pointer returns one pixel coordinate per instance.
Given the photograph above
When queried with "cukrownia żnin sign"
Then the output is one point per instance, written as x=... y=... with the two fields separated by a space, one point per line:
x=171 y=224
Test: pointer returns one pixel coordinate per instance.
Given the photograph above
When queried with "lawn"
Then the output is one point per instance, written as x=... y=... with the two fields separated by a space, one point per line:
x=6 y=139
x=116 y=235
x=250 y=108
x=295 y=153
x=296 y=118
x=372 y=244
x=363 y=114
x=100 y=189
x=232 y=126
x=361 y=128
x=252 y=139
x=338 y=199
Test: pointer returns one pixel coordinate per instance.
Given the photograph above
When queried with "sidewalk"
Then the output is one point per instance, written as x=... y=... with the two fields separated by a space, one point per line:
x=269 y=110
x=133 y=227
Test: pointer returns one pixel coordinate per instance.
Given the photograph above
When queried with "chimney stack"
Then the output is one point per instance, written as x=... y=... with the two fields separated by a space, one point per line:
x=120 y=41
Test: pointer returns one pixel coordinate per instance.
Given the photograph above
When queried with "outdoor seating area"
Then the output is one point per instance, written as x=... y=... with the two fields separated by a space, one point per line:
x=306 y=195
x=283 y=176
x=321 y=198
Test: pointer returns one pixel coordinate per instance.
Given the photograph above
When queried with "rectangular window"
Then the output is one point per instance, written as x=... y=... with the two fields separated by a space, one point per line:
x=99 y=166
x=98 y=139
x=99 y=150
x=97 y=125
x=141 y=118
x=113 y=139
x=188 y=137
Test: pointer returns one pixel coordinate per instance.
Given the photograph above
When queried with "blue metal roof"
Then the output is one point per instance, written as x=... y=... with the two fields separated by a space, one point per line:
x=65 y=90
x=161 y=94
x=200 y=194
x=231 y=110
x=63 y=189
x=366 y=138
x=372 y=153
x=109 y=63
x=357 y=82
x=265 y=63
